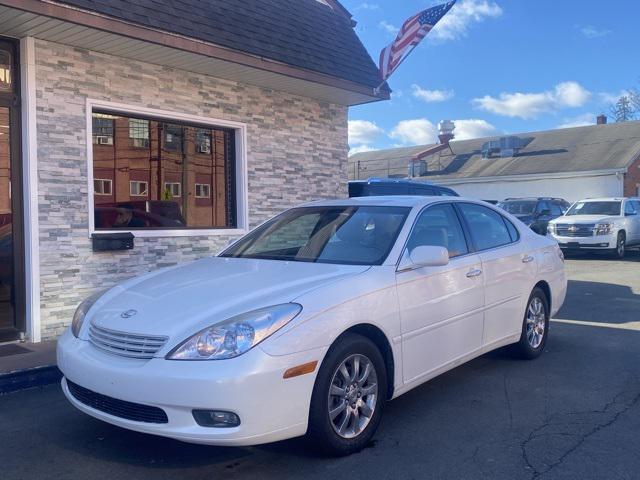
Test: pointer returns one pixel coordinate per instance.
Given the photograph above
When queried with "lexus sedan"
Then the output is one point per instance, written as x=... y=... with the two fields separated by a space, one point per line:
x=312 y=321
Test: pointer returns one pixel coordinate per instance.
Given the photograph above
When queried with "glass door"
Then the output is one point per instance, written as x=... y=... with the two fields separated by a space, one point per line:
x=7 y=294
x=12 y=321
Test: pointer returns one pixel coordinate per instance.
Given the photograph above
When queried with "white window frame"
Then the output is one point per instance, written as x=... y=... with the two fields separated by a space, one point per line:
x=106 y=180
x=145 y=192
x=241 y=187
x=167 y=186
x=208 y=185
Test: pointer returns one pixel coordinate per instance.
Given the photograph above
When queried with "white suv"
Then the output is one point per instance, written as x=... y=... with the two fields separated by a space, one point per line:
x=609 y=224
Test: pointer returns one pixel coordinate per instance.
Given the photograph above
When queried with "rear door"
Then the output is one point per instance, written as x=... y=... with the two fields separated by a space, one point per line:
x=507 y=269
x=440 y=307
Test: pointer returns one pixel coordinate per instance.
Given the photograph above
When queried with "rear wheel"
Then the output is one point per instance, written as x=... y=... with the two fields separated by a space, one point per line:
x=535 y=326
x=348 y=397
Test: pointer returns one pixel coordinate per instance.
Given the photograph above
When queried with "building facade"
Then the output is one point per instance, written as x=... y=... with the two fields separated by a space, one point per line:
x=115 y=132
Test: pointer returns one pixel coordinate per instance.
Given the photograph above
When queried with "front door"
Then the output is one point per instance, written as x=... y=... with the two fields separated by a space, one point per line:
x=11 y=267
x=441 y=308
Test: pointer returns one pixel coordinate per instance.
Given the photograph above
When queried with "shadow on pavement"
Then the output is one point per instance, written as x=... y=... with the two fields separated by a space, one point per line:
x=606 y=303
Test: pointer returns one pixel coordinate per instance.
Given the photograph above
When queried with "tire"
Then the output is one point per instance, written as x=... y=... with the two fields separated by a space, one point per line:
x=621 y=246
x=333 y=392
x=532 y=341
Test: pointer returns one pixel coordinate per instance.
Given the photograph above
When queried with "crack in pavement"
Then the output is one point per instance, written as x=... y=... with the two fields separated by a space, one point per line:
x=612 y=417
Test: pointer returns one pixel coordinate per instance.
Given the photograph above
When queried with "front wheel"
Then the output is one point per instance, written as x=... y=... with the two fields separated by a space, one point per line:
x=535 y=326
x=621 y=246
x=348 y=396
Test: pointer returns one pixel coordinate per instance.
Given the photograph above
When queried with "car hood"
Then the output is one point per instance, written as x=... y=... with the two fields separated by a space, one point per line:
x=584 y=219
x=179 y=301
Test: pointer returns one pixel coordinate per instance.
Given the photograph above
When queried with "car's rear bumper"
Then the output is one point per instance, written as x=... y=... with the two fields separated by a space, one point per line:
x=252 y=386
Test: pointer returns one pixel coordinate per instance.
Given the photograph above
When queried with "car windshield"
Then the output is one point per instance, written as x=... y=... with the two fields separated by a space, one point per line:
x=333 y=234
x=519 y=207
x=595 y=208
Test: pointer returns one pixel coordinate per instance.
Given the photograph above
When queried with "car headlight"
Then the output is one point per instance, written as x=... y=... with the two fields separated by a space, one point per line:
x=236 y=335
x=604 y=228
x=82 y=310
x=551 y=229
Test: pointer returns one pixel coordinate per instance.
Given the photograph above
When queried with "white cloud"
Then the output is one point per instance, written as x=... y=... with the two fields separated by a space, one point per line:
x=579 y=121
x=389 y=28
x=456 y=23
x=590 y=31
x=473 y=128
x=368 y=6
x=361 y=149
x=608 y=97
x=419 y=131
x=532 y=105
x=431 y=96
x=363 y=132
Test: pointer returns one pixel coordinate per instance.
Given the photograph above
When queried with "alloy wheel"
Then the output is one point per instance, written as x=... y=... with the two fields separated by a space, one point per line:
x=352 y=396
x=536 y=322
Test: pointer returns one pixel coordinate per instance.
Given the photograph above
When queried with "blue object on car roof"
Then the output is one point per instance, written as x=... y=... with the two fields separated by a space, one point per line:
x=396 y=186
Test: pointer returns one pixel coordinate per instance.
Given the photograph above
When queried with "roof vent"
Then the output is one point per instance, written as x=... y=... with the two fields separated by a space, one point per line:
x=445 y=130
x=504 y=147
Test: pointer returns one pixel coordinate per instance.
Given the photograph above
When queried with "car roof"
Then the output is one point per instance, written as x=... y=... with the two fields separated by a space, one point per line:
x=390 y=201
x=392 y=181
x=603 y=199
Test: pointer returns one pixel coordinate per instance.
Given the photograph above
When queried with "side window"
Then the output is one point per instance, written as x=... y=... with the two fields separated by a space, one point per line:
x=439 y=226
x=542 y=206
x=488 y=228
x=637 y=205
x=556 y=210
x=629 y=208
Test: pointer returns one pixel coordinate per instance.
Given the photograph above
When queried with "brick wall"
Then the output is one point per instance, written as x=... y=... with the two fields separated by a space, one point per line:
x=297 y=151
x=632 y=180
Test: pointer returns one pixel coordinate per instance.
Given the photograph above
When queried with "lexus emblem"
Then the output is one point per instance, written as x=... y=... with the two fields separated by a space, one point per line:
x=128 y=313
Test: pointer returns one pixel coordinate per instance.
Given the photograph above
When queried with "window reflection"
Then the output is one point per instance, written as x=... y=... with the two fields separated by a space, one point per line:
x=158 y=174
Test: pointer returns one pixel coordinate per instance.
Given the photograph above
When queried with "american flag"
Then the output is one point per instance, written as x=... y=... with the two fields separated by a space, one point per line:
x=410 y=35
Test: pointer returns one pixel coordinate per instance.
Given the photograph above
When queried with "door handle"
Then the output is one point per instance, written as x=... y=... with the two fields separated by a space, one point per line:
x=474 y=273
x=527 y=259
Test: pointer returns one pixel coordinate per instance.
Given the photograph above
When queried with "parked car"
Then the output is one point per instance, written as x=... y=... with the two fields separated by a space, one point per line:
x=605 y=224
x=312 y=321
x=393 y=186
x=535 y=212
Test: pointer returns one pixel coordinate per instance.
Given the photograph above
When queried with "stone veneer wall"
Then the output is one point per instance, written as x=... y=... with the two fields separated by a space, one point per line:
x=297 y=151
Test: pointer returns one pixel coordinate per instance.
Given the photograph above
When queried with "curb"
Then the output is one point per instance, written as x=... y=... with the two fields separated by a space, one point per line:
x=29 y=378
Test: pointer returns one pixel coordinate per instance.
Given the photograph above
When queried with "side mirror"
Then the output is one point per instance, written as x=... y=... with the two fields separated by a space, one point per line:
x=630 y=214
x=424 y=256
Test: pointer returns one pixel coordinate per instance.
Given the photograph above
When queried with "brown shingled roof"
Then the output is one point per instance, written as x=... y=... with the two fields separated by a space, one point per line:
x=302 y=33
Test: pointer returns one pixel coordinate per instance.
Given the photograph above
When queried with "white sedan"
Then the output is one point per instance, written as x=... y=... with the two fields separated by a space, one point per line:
x=312 y=321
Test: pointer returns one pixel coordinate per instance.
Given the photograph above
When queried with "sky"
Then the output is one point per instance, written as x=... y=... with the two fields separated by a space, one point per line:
x=497 y=67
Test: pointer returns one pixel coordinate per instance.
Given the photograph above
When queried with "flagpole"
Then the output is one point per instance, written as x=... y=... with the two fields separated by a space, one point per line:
x=377 y=89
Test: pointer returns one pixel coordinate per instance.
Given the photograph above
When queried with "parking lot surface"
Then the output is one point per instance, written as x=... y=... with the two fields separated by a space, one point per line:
x=573 y=413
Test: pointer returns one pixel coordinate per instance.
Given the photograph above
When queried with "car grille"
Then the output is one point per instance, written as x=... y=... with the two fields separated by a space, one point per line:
x=565 y=230
x=125 y=344
x=117 y=408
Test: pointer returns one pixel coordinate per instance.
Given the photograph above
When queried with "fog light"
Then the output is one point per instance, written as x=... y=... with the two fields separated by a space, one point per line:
x=216 y=418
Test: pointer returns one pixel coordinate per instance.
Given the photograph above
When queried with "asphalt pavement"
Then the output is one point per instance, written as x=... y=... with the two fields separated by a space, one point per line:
x=574 y=413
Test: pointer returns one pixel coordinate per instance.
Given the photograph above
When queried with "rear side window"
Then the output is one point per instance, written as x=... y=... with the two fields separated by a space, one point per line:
x=488 y=228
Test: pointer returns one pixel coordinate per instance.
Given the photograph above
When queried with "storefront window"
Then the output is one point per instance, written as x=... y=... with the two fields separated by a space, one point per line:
x=151 y=174
x=6 y=76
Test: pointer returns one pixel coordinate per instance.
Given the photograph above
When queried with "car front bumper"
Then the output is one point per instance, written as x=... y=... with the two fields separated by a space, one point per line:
x=596 y=242
x=270 y=408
